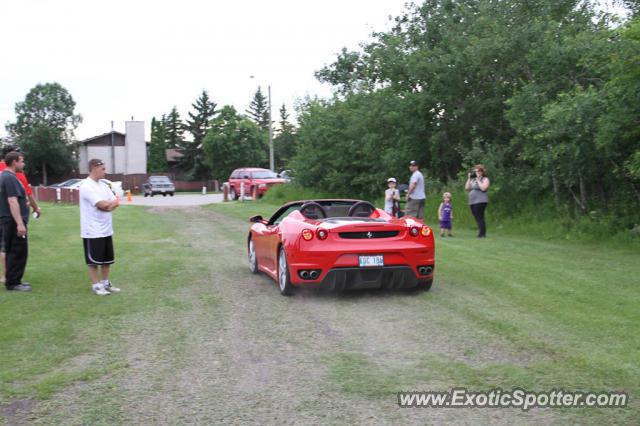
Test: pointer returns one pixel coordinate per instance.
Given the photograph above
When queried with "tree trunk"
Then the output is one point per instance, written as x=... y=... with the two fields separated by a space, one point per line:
x=44 y=174
x=583 y=191
x=556 y=188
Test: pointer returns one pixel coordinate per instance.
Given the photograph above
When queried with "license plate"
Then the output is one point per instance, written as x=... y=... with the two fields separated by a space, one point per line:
x=368 y=261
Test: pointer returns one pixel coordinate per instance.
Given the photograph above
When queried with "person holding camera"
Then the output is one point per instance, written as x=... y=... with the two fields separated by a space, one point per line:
x=478 y=184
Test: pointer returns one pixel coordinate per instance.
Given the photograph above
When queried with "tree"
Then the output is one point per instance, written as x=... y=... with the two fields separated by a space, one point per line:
x=44 y=127
x=198 y=124
x=285 y=142
x=259 y=110
x=157 y=148
x=232 y=142
x=174 y=129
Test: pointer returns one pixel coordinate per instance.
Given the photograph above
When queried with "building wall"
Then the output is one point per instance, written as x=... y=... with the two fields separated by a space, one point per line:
x=130 y=151
x=135 y=160
x=83 y=160
x=103 y=153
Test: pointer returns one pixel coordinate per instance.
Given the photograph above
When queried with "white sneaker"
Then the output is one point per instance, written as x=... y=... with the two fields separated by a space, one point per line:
x=99 y=290
x=110 y=288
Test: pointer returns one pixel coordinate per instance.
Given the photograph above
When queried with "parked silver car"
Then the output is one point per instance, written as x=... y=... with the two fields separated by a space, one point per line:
x=158 y=185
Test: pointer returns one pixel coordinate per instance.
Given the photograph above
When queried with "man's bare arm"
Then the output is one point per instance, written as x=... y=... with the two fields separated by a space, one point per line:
x=107 y=206
x=34 y=204
x=15 y=213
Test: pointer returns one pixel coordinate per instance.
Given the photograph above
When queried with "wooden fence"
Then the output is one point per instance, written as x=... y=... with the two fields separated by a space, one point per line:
x=71 y=196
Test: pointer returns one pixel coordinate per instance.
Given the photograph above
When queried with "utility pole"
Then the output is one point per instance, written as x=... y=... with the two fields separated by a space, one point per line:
x=272 y=165
x=113 y=152
x=271 y=159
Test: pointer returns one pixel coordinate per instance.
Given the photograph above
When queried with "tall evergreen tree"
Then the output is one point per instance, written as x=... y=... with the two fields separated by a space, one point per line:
x=259 y=110
x=174 y=129
x=193 y=162
x=157 y=148
x=285 y=142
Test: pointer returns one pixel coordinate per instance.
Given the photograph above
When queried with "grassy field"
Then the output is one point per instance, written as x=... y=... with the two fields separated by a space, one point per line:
x=536 y=313
x=61 y=319
x=573 y=303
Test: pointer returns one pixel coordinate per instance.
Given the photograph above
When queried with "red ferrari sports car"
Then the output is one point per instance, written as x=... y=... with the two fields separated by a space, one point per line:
x=341 y=244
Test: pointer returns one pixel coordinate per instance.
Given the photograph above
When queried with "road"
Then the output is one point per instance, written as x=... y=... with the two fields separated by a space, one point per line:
x=178 y=200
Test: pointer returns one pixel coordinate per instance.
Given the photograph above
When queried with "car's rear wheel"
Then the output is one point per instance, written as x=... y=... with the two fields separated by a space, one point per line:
x=232 y=194
x=171 y=193
x=425 y=285
x=253 y=260
x=284 y=278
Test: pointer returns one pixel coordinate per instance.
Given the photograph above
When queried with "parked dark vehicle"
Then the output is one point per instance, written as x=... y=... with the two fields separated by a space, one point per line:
x=158 y=185
x=260 y=179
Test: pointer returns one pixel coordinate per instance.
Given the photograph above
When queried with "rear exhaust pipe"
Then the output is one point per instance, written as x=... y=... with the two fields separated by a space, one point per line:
x=304 y=275
x=425 y=270
x=313 y=275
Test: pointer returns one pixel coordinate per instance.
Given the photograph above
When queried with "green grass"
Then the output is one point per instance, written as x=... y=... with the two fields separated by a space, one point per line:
x=571 y=305
x=45 y=333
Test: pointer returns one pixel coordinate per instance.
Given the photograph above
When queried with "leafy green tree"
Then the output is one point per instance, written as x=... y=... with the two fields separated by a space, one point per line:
x=618 y=129
x=543 y=93
x=285 y=141
x=259 y=110
x=232 y=142
x=157 y=149
x=44 y=127
x=193 y=162
x=174 y=129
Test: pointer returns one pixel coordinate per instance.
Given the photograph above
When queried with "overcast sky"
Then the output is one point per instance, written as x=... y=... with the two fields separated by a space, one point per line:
x=120 y=58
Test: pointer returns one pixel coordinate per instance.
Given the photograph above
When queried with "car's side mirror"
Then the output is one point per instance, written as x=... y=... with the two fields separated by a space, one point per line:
x=246 y=176
x=256 y=219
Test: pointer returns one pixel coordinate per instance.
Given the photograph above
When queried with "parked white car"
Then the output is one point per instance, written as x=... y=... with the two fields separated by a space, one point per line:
x=116 y=187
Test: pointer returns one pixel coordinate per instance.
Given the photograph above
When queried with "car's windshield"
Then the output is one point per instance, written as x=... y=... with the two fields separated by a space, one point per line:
x=281 y=214
x=159 y=179
x=266 y=174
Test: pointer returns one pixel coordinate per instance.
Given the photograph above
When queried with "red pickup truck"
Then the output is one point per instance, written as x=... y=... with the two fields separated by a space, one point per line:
x=261 y=179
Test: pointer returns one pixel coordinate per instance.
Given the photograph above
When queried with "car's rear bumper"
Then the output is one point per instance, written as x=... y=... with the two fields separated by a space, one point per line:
x=390 y=277
x=402 y=263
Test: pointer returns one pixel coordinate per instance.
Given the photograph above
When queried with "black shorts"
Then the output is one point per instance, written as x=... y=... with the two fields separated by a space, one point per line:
x=98 y=251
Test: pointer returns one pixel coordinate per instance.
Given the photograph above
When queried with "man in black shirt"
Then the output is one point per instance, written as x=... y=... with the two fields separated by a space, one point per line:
x=14 y=215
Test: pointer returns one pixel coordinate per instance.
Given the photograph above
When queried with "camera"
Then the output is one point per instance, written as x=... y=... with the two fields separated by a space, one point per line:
x=473 y=174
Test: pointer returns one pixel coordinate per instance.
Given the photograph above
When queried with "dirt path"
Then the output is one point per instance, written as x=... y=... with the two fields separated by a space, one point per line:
x=234 y=351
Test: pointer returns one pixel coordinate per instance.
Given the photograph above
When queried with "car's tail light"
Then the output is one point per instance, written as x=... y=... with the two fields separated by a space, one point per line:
x=426 y=231
x=414 y=231
x=322 y=234
x=307 y=234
